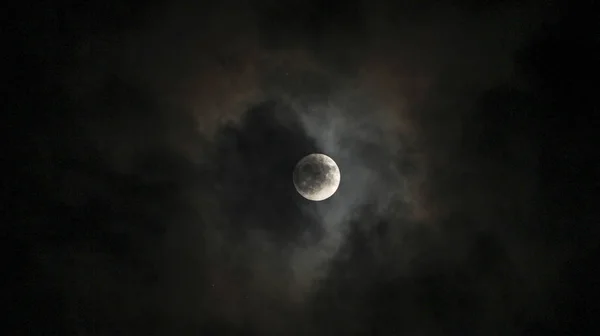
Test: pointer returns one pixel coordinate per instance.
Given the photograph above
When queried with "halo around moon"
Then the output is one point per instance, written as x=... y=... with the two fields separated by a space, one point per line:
x=316 y=177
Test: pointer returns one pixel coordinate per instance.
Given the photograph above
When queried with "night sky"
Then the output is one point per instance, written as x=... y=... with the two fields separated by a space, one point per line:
x=150 y=150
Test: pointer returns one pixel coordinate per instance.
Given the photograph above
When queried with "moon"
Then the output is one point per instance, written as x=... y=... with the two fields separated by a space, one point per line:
x=316 y=177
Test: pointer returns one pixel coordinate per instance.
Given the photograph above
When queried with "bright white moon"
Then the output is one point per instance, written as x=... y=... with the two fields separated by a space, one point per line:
x=316 y=177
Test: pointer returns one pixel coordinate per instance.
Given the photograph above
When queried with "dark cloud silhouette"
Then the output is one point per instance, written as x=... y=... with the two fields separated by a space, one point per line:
x=153 y=192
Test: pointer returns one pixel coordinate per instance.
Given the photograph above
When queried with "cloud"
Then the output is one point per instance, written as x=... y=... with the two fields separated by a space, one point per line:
x=178 y=203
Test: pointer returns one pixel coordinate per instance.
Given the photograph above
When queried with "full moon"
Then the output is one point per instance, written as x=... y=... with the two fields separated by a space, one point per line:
x=316 y=177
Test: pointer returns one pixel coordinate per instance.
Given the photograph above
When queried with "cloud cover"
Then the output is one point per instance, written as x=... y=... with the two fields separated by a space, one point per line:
x=172 y=197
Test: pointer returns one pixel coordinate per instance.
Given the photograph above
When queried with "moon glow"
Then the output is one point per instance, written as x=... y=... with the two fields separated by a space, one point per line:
x=316 y=177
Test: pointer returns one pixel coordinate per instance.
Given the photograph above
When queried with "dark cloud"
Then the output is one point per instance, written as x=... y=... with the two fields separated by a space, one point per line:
x=154 y=193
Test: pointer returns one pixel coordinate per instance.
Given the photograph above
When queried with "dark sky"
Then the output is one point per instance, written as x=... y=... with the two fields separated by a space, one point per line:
x=150 y=151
